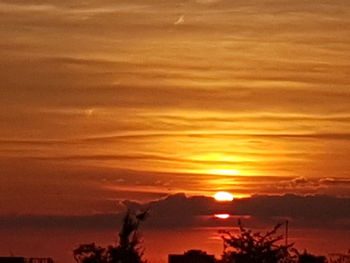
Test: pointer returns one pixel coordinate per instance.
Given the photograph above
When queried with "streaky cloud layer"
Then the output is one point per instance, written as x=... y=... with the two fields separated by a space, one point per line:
x=111 y=99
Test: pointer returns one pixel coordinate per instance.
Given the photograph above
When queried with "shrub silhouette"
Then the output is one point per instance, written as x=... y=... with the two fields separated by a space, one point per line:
x=128 y=249
x=249 y=247
x=309 y=258
x=90 y=253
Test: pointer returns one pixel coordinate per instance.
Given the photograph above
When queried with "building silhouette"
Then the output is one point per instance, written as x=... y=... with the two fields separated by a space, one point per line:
x=25 y=260
x=192 y=256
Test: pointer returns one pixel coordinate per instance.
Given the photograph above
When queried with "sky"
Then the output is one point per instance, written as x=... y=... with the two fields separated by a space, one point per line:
x=109 y=100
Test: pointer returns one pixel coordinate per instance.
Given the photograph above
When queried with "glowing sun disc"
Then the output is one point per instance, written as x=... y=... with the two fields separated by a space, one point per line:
x=222 y=216
x=223 y=196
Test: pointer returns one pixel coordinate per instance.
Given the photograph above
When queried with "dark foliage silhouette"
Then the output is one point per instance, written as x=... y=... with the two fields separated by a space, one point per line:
x=249 y=247
x=340 y=258
x=128 y=249
x=89 y=253
x=310 y=258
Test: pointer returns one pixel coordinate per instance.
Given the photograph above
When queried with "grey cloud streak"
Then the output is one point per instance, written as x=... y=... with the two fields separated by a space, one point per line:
x=178 y=211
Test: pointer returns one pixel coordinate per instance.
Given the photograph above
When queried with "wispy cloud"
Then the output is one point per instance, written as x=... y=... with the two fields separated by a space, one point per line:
x=180 y=20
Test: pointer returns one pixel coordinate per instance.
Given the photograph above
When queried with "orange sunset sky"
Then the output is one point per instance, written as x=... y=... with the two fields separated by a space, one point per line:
x=110 y=99
x=108 y=104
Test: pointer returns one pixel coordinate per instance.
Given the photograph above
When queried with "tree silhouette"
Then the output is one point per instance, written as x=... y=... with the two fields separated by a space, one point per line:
x=128 y=249
x=249 y=247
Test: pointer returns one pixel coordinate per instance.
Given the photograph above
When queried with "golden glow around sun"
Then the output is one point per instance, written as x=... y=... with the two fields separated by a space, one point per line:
x=224 y=172
x=223 y=196
x=225 y=162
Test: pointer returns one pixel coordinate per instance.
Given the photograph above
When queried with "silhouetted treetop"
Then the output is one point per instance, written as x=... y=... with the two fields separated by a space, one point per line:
x=128 y=249
x=249 y=247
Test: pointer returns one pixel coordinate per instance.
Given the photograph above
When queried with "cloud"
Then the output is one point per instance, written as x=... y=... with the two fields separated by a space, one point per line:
x=69 y=183
x=316 y=185
x=300 y=180
x=180 y=20
x=334 y=181
x=179 y=211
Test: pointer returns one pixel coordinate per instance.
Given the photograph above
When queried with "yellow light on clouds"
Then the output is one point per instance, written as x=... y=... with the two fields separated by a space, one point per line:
x=224 y=172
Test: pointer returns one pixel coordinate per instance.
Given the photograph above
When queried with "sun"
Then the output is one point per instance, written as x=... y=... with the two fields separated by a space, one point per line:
x=223 y=196
x=222 y=216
